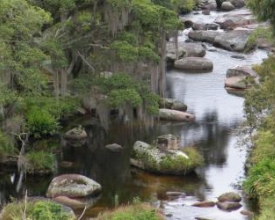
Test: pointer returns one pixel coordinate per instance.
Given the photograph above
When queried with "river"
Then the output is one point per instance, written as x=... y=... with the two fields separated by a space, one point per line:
x=218 y=114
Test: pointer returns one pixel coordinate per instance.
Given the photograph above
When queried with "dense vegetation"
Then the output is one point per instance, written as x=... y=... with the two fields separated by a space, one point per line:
x=58 y=56
x=260 y=112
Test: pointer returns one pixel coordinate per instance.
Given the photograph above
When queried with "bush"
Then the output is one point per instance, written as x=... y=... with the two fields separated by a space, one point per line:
x=40 y=210
x=6 y=146
x=39 y=161
x=48 y=211
x=40 y=122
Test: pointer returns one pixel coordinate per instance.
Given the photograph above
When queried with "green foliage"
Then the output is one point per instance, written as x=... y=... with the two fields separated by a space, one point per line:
x=39 y=161
x=132 y=212
x=264 y=33
x=261 y=179
x=7 y=147
x=48 y=211
x=40 y=122
x=263 y=9
x=122 y=90
x=259 y=100
x=40 y=210
x=57 y=107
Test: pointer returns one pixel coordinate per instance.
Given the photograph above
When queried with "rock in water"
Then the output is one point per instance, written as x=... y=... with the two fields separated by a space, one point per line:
x=73 y=185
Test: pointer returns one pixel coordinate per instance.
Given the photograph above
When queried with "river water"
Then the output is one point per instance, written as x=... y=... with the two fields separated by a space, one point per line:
x=218 y=115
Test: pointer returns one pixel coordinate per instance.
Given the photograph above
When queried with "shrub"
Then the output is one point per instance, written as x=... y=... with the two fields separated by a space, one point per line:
x=39 y=161
x=40 y=122
x=40 y=210
x=6 y=145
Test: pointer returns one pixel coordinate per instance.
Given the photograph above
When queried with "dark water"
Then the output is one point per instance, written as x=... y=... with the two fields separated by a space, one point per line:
x=217 y=113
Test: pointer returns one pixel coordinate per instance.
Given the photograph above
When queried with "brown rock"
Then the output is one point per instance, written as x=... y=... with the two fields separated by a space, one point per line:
x=204 y=204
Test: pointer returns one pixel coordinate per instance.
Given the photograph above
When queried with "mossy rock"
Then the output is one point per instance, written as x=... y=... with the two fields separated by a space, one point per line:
x=171 y=162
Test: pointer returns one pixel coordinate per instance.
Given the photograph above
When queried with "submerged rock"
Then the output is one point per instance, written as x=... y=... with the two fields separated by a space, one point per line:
x=72 y=185
x=173 y=115
x=172 y=162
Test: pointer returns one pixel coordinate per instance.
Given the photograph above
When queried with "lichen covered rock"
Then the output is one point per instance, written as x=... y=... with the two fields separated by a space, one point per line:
x=173 y=162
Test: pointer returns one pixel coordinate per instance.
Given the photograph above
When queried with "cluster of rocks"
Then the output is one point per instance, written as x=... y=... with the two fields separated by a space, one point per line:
x=174 y=110
x=229 y=201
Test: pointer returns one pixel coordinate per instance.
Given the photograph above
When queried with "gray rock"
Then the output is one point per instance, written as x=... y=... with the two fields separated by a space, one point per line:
x=72 y=185
x=233 y=40
x=76 y=133
x=241 y=71
x=227 y=6
x=207 y=36
x=229 y=206
x=172 y=104
x=114 y=147
x=238 y=3
x=236 y=82
x=198 y=64
x=174 y=115
x=230 y=197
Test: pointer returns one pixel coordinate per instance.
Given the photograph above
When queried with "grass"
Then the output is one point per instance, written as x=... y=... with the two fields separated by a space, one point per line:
x=39 y=210
x=132 y=212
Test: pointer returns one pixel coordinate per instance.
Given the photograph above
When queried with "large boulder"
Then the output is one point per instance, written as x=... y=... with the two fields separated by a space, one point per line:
x=174 y=115
x=73 y=186
x=172 y=162
x=209 y=5
x=233 y=40
x=227 y=6
x=229 y=197
x=184 y=50
x=241 y=71
x=206 y=36
x=239 y=78
x=196 y=64
x=238 y=3
x=172 y=104
x=232 y=20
